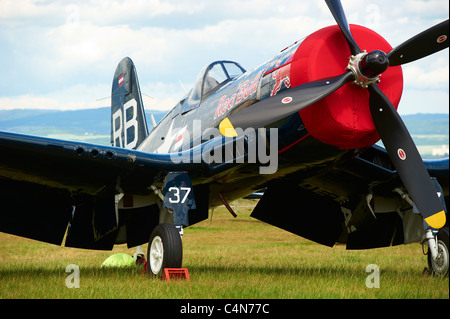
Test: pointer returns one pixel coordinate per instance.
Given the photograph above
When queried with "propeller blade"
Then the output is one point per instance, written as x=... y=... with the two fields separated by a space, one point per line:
x=405 y=157
x=336 y=9
x=284 y=104
x=425 y=43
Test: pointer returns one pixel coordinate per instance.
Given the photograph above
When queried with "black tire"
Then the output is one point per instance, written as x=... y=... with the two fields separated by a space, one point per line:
x=440 y=267
x=165 y=249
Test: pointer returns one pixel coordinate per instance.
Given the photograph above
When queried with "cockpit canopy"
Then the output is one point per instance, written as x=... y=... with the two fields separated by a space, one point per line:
x=210 y=78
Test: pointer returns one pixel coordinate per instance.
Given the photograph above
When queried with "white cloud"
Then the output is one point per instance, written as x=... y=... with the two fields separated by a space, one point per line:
x=71 y=98
x=432 y=78
x=57 y=51
x=44 y=102
x=17 y=12
x=28 y=101
x=424 y=101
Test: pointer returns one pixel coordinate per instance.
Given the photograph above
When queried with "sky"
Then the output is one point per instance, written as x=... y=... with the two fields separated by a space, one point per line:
x=63 y=54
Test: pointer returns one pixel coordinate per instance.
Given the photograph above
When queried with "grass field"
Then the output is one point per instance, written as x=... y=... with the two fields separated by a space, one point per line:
x=231 y=258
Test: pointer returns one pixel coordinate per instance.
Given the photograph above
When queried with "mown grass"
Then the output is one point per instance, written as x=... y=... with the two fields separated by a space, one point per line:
x=231 y=258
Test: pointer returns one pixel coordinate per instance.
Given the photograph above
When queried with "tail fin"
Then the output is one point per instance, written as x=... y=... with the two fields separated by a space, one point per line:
x=128 y=124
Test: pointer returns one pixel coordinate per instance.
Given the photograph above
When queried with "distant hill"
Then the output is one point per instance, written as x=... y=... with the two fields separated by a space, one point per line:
x=90 y=125
x=429 y=131
x=427 y=124
x=95 y=121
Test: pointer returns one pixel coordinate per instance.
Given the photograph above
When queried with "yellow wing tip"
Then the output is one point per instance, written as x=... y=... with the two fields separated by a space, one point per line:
x=227 y=129
x=437 y=220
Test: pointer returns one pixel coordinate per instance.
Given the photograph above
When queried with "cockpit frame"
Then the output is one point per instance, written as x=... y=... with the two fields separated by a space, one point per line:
x=209 y=80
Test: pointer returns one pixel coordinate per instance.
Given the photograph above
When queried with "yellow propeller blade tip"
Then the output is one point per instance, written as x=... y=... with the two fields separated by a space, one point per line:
x=227 y=129
x=437 y=220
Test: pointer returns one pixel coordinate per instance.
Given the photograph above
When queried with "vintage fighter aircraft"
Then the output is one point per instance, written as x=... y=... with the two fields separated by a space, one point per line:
x=323 y=103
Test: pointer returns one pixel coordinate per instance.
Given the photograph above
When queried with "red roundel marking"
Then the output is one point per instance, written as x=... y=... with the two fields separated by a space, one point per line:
x=343 y=118
x=442 y=38
x=286 y=100
x=401 y=154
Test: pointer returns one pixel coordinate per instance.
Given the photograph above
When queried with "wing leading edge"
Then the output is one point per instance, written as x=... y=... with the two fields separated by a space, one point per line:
x=48 y=184
x=86 y=168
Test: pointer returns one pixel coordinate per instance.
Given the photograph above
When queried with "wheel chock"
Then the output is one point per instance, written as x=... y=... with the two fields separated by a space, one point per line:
x=176 y=273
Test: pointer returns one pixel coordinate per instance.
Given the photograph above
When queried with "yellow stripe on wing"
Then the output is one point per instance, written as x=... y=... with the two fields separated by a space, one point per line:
x=437 y=220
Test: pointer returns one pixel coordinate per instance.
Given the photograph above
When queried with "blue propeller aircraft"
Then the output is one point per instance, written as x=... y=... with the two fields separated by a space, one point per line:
x=302 y=127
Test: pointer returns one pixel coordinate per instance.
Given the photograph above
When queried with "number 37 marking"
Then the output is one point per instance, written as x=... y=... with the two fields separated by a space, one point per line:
x=176 y=193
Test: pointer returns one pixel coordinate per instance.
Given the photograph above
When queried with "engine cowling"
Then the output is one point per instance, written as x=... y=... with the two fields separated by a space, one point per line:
x=342 y=119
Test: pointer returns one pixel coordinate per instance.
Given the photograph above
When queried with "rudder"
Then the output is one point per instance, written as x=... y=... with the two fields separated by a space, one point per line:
x=128 y=123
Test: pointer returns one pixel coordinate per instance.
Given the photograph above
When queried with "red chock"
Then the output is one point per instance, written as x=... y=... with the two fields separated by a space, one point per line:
x=176 y=273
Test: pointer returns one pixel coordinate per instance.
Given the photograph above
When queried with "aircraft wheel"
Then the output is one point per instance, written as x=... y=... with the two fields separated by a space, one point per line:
x=165 y=249
x=439 y=267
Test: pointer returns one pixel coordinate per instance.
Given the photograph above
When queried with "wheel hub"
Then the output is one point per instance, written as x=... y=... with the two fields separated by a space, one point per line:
x=440 y=264
x=156 y=254
x=367 y=67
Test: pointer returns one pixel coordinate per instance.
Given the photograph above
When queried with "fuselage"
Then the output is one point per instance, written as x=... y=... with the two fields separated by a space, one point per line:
x=339 y=127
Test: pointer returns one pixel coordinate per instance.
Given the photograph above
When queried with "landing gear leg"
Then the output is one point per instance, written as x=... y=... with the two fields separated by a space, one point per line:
x=138 y=254
x=439 y=264
x=165 y=249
